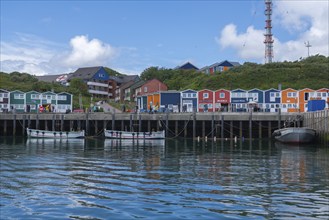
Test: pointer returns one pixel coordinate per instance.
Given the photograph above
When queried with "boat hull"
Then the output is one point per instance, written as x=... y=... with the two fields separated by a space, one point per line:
x=34 y=133
x=295 y=135
x=133 y=135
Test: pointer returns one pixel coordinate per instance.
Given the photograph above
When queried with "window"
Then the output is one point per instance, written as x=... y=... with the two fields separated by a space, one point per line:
x=194 y=95
x=292 y=94
x=205 y=95
x=145 y=89
x=19 y=96
x=34 y=96
x=184 y=95
x=62 y=97
x=5 y=95
x=324 y=94
x=222 y=95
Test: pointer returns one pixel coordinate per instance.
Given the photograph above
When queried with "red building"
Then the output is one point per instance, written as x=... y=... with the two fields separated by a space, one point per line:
x=206 y=100
x=222 y=100
x=151 y=86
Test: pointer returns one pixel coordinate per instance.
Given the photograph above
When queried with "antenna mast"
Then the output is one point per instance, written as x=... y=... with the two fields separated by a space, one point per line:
x=308 y=45
x=268 y=35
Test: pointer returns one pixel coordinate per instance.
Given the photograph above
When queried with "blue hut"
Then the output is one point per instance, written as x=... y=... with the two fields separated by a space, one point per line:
x=239 y=100
x=256 y=99
x=272 y=100
x=189 y=101
x=170 y=100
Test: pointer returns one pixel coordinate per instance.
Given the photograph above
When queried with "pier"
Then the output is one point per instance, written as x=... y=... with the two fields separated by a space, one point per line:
x=222 y=125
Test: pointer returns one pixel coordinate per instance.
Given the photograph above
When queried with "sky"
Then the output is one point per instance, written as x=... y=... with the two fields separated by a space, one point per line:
x=57 y=36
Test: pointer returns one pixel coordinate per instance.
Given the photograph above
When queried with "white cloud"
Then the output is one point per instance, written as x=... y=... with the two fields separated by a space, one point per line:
x=88 y=52
x=246 y=44
x=306 y=20
x=36 y=56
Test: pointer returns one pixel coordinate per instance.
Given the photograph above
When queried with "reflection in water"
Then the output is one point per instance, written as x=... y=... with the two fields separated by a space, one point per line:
x=171 y=179
x=55 y=142
x=134 y=142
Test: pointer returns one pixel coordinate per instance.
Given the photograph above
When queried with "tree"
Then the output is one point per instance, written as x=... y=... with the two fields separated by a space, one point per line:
x=77 y=86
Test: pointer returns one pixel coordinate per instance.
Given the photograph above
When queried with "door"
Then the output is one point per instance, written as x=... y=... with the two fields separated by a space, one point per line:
x=189 y=105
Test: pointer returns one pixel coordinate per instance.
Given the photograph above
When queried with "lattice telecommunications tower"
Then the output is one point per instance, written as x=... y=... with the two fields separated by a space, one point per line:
x=268 y=34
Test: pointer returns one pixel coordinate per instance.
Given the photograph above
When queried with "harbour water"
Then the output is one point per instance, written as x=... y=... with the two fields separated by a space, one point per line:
x=172 y=179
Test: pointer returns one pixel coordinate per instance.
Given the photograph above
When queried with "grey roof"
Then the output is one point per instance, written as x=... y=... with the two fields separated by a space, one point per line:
x=137 y=84
x=127 y=84
x=84 y=73
x=124 y=79
x=187 y=66
x=49 y=78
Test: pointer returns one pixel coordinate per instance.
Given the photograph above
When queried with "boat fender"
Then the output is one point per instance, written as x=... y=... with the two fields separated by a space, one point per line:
x=67 y=133
x=54 y=133
x=60 y=133
x=43 y=133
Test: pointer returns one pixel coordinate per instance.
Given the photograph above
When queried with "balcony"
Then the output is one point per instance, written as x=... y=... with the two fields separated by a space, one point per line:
x=91 y=91
x=105 y=85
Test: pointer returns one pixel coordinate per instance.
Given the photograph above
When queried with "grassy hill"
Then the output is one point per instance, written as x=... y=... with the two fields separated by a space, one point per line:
x=312 y=72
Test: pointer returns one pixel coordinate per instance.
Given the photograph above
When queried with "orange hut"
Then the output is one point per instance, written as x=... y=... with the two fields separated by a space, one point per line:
x=303 y=96
x=289 y=100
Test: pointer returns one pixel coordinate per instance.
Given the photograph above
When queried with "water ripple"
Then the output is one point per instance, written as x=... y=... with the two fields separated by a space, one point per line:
x=56 y=180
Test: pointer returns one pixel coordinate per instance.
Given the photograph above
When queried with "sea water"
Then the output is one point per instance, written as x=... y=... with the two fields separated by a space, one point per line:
x=171 y=179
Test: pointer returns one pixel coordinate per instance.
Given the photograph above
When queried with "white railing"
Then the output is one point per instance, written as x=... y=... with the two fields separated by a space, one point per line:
x=98 y=92
x=99 y=84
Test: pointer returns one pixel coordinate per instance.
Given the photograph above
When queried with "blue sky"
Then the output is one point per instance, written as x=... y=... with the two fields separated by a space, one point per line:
x=52 y=37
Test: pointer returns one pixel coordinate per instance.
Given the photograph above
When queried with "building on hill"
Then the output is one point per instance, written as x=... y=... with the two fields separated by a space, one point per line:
x=96 y=79
x=151 y=86
x=122 y=93
x=116 y=81
x=135 y=89
x=187 y=66
x=59 y=78
x=219 y=67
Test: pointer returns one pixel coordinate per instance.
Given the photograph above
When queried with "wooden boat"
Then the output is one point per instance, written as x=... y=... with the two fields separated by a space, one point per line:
x=295 y=135
x=134 y=135
x=35 y=133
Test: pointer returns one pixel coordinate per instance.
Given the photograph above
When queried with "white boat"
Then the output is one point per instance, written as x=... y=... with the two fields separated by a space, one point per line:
x=35 y=133
x=295 y=135
x=134 y=135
